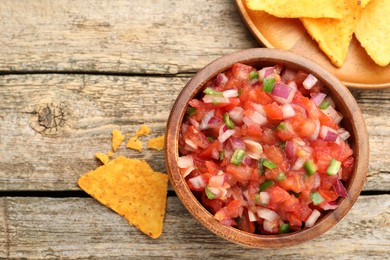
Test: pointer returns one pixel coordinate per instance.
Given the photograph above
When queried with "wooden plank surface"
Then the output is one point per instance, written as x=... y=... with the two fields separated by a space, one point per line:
x=81 y=227
x=166 y=37
x=38 y=154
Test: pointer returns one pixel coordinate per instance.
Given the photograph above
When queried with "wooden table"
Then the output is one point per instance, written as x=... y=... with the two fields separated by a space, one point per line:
x=72 y=71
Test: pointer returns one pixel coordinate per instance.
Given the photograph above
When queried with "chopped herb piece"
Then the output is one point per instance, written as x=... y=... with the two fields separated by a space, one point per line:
x=316 y=198
x=209 y=194
x=265 y=185
x=281 y=126
x=334 y=167
x=240 y=91
x=253 y=75
x=221 y=155
x=282 y=145
x=237 y=157
x=268 y=84
x=213 y=92
x=191 y=111
x=281 y=177
x=310 y=167
x=210 y=138
x=324 y=104
x=269 y=164
x=228 y=122
x=284 y=228
x=260 y=166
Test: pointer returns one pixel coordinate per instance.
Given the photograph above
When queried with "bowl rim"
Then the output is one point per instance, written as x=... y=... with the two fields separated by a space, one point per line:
x=271 y=57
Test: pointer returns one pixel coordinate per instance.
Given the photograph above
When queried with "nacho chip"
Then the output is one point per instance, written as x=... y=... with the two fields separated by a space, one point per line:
x=297 y=8
x=102 y=157
x=110 y=154
x=156 y=143
x=143 y=131
x=334 y=35
x=135 y=144
x=133 y=190
x=373 y=31
x=363 y=3
x=117 y=139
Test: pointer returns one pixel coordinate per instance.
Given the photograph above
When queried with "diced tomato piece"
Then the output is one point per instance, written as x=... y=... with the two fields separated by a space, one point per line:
x=207 y=152
x=241 y=71
x=274 y=153
x=197 y=137
x=273 y=111
x=233 y=102
x=347 y=168
x=269 y=136
x=212 y=167
x=241 y=173
x=328 y=195
x=345 y=151
x=244 y=224
x=293 y=182
x=252 y=130
x=212 y=205
x=233 y=208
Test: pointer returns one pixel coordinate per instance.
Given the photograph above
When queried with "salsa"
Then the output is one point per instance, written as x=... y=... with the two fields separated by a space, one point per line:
x=263 y=150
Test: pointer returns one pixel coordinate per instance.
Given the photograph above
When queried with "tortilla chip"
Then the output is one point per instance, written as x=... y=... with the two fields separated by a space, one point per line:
x=134 y=144
x=143 y=131
x=102 y=157
x=297 y=8
x=117 y=139
x=363 y=3
x=156 y=143
x=334 y=35
x=133 y=190
x=373 y=31
x=110 y=154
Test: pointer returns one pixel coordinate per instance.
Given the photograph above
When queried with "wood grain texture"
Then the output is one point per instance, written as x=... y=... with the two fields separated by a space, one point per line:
x=52 y=125
x=81 y=227
x=157 y=37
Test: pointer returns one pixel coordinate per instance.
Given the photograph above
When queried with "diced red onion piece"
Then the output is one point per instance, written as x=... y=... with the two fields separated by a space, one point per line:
x=318 y=98
x=267 y=214
x=248 y=161
x=198 y=182
x=288 y=75
x=220 y=80
x=191 y=144
x=340 y=189
x=236 y=114
x=252 y=217
x=344 y=134
x=316 y=132
x=186 y=172
x=269 y=226
x=328 y=134
x=254 y=149
x=230 y=93
x=309 y=82
x=258 y=118
x=329 y=206
x=259 y=108
x=312 y=218
x=222 y=129
x=298 y=164
x=282 y=93
x=193 y=122
x=215 y=99
x=290 y=150
x=216 y=180
x=237 y=143
x=264 y=72
x=247 y=121
x=185 y=161
x=205 y=120
x=293 y=85
x=215 y=154
x=264 y=198
x=223 y=137
x=288 y=111
x=278 y=68
x=333 y=114
x=213 y=122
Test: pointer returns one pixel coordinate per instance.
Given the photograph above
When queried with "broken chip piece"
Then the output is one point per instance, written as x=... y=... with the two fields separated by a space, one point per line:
x=143 y=131
x=133 y=190
x=117 y=139
x=156 y=143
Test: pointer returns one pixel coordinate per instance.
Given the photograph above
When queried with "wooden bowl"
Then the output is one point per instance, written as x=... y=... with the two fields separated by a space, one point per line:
x=353 y=121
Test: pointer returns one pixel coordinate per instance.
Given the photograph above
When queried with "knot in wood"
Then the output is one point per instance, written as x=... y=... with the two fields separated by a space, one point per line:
x=50 y=118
